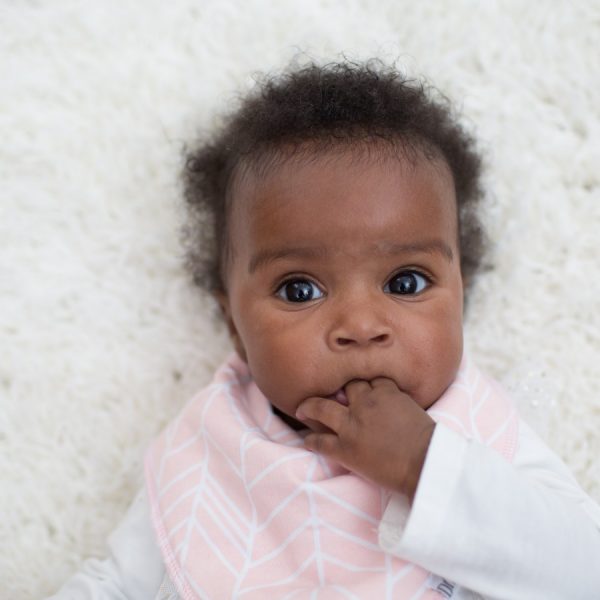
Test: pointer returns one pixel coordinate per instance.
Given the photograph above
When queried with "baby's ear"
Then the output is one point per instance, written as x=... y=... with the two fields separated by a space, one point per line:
x=223 y=301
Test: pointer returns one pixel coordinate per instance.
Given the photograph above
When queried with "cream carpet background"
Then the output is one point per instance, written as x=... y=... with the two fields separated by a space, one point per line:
x=102 y=336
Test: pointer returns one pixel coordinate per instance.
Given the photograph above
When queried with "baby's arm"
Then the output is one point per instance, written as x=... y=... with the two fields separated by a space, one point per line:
x=506 y=530
x=520 y=530
x=134 y=569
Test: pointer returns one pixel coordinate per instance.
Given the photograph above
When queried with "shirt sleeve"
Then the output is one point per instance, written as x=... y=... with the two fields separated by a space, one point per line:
x=134 y=568
x=504 y=530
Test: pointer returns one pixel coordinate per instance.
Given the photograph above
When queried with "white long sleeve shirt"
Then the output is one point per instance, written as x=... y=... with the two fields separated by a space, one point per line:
x=488 y=528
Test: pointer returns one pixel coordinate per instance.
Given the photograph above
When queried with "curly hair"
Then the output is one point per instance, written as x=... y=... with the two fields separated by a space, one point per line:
x=319 y=107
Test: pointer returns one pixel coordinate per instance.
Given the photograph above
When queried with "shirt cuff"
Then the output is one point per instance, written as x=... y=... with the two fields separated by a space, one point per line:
x=406 y=530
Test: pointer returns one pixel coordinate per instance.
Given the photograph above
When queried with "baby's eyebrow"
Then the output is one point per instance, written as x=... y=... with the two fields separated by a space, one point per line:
x=426 y=247
x=264 y=257
x=268 y=255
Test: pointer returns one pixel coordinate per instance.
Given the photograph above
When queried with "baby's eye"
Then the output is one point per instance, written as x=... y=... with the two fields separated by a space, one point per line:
x=407 y=283
x=299 y=290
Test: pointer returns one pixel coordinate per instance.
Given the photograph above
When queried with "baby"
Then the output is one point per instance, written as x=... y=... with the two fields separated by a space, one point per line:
x=348 y=449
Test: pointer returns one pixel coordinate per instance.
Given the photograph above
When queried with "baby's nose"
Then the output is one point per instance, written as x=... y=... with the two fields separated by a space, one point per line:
x=360 y=327
x=359 y=339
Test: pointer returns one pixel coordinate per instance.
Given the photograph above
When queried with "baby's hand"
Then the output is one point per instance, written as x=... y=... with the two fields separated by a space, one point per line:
x=383 y=434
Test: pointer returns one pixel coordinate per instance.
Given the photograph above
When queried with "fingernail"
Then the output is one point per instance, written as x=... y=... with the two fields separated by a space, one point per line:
x=300 y=415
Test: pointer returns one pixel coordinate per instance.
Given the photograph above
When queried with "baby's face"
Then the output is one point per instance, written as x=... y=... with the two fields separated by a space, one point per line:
x=345 y=268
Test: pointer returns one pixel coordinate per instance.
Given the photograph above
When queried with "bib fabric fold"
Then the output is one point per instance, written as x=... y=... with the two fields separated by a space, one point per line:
x=241 y=510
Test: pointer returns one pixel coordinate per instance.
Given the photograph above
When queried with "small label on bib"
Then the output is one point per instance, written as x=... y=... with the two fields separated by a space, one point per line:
x=441 y=585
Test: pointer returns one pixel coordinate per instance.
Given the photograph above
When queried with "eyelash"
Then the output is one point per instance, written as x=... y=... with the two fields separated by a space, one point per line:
x=280 y=288
x=297 y=279
x=427 y=281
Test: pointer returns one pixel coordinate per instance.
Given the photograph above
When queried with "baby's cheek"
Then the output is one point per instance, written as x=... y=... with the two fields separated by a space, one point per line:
x=447 y=370
x=273 y=371
x=439 y=364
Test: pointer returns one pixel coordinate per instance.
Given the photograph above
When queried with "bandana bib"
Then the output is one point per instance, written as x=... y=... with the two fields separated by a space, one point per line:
x=241 y=510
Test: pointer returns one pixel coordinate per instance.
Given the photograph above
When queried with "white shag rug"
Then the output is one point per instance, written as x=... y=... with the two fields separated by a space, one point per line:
x=102 y=338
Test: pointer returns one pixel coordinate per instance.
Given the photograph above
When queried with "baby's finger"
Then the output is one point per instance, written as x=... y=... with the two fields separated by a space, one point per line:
x=323 y=443
x=356 y=389
x=330 y=413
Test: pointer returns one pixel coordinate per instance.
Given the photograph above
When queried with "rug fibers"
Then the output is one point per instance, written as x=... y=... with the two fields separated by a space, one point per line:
x=102 y=337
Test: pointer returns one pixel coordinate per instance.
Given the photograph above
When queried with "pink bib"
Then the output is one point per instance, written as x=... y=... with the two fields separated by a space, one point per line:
x=241 y=510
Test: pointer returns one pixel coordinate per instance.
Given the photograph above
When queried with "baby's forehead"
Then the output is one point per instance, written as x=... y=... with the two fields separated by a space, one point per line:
x=309 y=164
x=314 y=196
